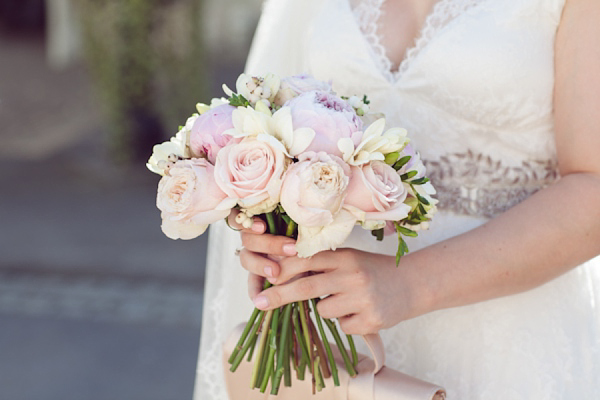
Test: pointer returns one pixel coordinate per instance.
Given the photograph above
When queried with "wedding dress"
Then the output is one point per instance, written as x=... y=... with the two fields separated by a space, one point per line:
x=475 y=93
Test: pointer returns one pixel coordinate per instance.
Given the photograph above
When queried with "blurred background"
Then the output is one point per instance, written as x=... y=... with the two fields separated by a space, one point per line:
x=95 y=302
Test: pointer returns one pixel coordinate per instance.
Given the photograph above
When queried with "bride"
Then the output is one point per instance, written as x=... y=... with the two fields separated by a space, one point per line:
x=500 y=298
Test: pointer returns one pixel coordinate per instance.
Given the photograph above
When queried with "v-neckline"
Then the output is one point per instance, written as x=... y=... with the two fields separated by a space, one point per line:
x=379 y=54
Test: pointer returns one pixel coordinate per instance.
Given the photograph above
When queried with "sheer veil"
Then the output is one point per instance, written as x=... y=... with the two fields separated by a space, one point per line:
x=278 y=47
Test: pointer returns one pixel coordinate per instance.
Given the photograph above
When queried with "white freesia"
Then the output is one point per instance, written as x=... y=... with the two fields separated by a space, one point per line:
x=216 y=102
x=374 y=145
x=259 y=123
x=164 y=155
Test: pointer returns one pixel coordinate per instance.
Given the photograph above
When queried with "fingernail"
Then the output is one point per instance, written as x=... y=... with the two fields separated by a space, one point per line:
x=269 y=272
x=258 y=227
x=261 y=302
x=289 y=249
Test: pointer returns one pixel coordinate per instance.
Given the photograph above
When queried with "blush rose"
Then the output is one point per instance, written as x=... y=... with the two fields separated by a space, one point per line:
x=251 y=173
x=190 y=200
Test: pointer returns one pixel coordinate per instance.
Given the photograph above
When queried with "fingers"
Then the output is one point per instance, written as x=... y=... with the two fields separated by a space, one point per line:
x=235 y=220
x=338 y=306
x=255 y=285
x=269 y=244
x=258 y=264
x=301 y=289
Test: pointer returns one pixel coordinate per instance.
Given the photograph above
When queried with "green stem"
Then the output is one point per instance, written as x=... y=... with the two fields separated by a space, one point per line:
x=320 y=350
x=261 y=348
x=272 y=349
x=334 y=371
x=240 y=342
x=253 y=341
x=283 y=349
x=353 y=351
x=342 y=348
x=299 y=336
x=291 y=228
x=271 y=223
x=240 y=355
x=287 y=373
x=305 y=331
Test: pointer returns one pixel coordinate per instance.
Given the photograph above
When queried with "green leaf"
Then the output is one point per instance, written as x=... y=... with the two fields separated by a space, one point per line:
x=237 y=100
x=422 y=200
x=420 y=181
x=408 y=175
x=401 y=162
x=378 y=233
x=405 y=231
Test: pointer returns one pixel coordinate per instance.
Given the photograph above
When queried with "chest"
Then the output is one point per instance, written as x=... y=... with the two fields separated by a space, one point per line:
x=399 y=25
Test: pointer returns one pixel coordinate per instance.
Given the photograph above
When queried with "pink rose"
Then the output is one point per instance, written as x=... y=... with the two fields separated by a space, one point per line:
x=206 y=137
x=329 y=116
x=313 y=194
x=377 y=191
x=250 y=172
x=190 y=200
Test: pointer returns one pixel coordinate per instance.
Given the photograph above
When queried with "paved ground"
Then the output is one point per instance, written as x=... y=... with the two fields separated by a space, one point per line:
x=95 y=303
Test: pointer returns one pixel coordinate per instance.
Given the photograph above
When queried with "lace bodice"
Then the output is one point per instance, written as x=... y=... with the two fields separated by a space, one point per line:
x=481 y=118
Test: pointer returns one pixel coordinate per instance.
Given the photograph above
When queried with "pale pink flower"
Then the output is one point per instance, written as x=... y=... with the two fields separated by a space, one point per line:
x=313 y=194
x=206 y=137
x=292 y=86
x=329 y=116
x=190 y=200
x=251 y=173
x=376 y=193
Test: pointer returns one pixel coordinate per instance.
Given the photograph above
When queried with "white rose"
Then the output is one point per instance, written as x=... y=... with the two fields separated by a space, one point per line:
x=313 y=193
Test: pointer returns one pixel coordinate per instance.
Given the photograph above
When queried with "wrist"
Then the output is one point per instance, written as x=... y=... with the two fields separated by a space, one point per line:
x=418 y=290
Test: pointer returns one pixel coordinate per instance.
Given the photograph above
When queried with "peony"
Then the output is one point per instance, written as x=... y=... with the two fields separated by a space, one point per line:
x=251 y=173
x=376 y=194
x=190 y=200
x=329 y=116
x=313 y=194
x=292 y=86
x=206 y=136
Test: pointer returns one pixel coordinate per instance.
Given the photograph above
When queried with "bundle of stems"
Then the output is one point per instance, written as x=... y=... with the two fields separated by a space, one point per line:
x=286 y=338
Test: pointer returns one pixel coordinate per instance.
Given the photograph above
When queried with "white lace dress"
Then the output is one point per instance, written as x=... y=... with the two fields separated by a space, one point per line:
x=475 y=92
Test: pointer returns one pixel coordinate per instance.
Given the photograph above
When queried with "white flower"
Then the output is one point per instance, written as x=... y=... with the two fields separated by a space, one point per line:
x=259 y=123
x=164 y=155
x=374 y=145
x=312 y=240
x=216 y=102
x=256 y=88
x=359 y=105
x=312 y=194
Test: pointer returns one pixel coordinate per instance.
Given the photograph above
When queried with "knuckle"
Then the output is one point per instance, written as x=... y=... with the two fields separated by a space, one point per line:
x=362 y=277
x=306 y=287
x=275 y=298
x=324 y=310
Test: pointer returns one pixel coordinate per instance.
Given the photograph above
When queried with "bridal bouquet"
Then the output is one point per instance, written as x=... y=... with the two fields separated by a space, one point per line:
x=312 y=165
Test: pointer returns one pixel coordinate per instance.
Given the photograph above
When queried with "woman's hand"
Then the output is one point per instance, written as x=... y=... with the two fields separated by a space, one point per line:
x=366 y=291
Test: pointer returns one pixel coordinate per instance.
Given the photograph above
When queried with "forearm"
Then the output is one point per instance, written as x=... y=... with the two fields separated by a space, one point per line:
x=543 y=237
